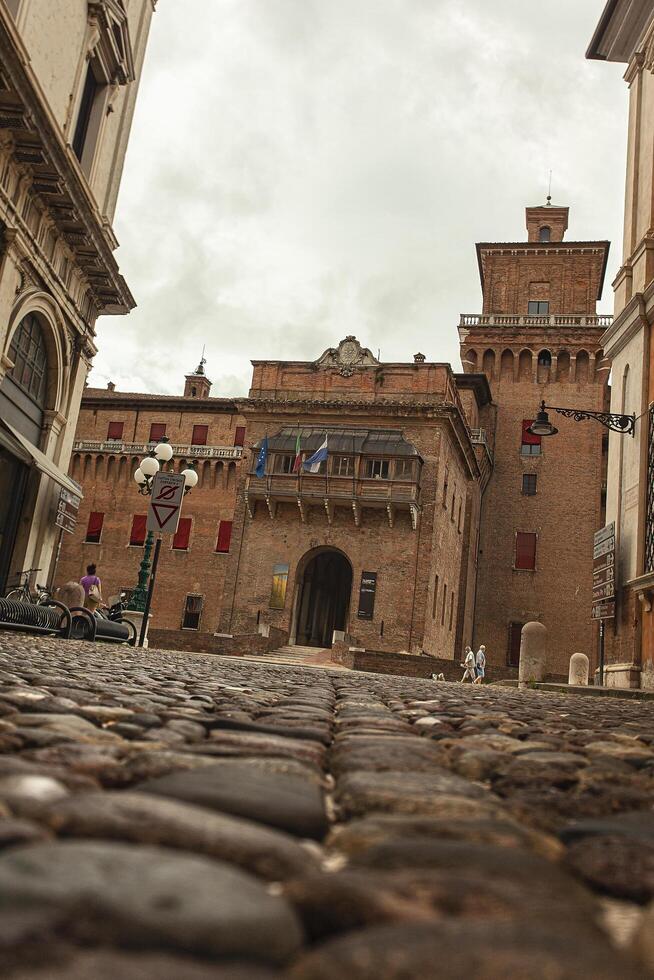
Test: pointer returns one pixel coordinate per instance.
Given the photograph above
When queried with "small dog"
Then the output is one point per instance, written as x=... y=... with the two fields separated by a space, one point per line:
x=438 y=677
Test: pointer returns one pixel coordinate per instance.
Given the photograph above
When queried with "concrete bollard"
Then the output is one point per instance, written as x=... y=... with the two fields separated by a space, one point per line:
x=533 y=653
x=71 y=594
x=579 y=667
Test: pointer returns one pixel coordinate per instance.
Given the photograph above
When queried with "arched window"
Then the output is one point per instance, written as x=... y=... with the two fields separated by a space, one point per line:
x=27 y=351
x=544 y=234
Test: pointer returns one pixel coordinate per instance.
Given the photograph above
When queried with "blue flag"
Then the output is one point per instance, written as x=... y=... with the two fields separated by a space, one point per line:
x=260 y=468
x=313 y=462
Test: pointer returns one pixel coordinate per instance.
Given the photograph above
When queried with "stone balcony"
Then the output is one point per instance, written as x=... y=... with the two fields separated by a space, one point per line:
x=324 y=490
x=114 y=446
x=468 y=320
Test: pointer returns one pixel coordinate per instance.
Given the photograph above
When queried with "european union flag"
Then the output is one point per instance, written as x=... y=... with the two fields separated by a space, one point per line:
x=260 y=468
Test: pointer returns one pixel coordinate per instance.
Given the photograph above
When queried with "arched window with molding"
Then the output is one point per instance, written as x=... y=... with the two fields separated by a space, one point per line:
x=28 y=352
x=544 y=234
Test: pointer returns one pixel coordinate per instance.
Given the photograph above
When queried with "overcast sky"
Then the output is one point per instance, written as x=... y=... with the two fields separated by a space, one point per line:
x=300 y=170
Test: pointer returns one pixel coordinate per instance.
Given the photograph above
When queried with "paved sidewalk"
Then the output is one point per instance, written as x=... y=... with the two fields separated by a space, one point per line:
x=186 y=817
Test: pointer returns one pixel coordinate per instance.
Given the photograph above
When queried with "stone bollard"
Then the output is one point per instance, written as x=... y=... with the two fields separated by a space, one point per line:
x=578 y=673
x=71 y=594
x=533 y=653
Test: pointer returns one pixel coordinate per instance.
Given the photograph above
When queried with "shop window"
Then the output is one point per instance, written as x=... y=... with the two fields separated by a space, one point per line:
x=137 y=533
x=530 y=445
x=525 y=550
x=224 y=536
x=377 y=469
x=157 y=431
x=239 y=435
x=342 y=466
x=28 y=353
x=192 y=612
x=182 y=535
x=94 y=527
x=529 y=481
x=199 y=436
x=115 y=430
x=538 y=307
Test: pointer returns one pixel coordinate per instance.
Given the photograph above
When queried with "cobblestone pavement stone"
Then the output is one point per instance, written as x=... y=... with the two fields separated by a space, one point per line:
x=184 y=817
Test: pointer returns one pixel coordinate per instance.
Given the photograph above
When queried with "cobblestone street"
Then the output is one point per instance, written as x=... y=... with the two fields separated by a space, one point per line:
x=184 y=816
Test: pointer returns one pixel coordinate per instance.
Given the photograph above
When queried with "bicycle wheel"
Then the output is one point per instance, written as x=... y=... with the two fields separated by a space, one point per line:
x=17 y=595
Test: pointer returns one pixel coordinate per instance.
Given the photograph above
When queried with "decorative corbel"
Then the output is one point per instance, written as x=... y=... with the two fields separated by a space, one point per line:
x=356 y=510
x=390 y=512
x=272 y=507
x=302 y=509
x=647 y=599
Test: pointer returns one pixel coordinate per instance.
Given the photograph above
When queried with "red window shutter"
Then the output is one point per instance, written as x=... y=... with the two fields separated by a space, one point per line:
x=527 y=438
x=137 y=534
x=115 y=430
x=239 y=435
x=182 y=534
x=94 y=529
x=224 y=536
x=157 y=431
x=199 y=437
x=525 y=550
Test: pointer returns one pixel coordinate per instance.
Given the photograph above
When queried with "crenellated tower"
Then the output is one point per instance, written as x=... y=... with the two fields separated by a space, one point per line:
x=539 y=338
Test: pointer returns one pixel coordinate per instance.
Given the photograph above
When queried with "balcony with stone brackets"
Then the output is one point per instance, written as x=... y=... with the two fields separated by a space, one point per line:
x=364 y=469
x=115 y=446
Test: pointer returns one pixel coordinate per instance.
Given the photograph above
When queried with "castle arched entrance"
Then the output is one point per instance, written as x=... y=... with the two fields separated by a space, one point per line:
x=324 y=579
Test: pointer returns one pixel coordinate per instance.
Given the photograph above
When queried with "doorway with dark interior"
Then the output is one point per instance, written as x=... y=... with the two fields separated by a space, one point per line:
x=323 y=599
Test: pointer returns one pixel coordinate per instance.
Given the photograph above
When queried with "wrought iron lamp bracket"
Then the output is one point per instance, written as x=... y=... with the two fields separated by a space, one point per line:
x=624 y=424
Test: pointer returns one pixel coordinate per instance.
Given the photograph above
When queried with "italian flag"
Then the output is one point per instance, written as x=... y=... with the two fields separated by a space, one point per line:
x=298 y=455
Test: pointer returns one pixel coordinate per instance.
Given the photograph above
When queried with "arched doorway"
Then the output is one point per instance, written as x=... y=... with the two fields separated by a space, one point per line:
x=323 y=597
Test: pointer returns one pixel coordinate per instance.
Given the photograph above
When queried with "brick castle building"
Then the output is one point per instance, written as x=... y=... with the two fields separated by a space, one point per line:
x=436 y=519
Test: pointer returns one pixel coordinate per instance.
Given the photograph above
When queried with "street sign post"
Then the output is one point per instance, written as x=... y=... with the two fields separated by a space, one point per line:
x=603 y=607
x=67 y=509
x=163 y=517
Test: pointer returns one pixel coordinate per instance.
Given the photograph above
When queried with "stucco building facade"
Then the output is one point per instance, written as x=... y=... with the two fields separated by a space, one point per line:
x=625 y=34
x=69 y=75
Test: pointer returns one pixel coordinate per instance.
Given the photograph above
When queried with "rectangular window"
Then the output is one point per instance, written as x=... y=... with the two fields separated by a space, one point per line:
x=530 y=445
x=239 y=435
x=199 y=437
x=538 y=307
x=182 y=534
x=342 y=466
x=157 y=431
x=451 y=610
x=529 y=484
x=525 y=550
x=192 y=612
x=137 y=534
x=284 y=464
x=94 y=528
x=377 y=469
x=403 y=469
x=89 y=93
x=115 y=430
x=224 y=536
x=435 y=599
x=515 y=637
x=444 y=604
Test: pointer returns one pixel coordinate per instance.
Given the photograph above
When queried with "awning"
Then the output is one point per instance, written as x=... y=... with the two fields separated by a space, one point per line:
x=40 y=460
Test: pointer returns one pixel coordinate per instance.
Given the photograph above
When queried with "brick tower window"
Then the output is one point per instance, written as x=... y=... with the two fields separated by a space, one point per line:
x=94 y=527
x=530 y=445
x=525 y=550
x=157 y=431
x=192 y=612
x=115 y=430
x=544 y=234
x=538 y=307
x=239 y=435
x=529 y=484
x=138 y=531
x=199 y=436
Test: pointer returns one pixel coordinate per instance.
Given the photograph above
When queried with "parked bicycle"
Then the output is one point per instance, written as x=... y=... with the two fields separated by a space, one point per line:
x=23 y=592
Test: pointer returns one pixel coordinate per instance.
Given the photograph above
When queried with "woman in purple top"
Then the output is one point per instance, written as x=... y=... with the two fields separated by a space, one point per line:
x=92 y=588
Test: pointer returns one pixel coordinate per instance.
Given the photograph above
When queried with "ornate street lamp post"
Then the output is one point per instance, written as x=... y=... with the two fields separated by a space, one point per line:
x=143 y=476
x=541 y=426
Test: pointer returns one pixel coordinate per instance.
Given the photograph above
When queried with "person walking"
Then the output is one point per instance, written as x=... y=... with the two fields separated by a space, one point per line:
x=92 y=588
x=468 y=665
x=480 y=665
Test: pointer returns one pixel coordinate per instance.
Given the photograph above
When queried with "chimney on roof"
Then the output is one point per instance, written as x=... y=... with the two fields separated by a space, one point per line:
x=111 y=386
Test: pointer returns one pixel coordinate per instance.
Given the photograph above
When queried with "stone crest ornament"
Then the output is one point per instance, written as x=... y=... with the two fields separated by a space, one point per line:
x=347 y=357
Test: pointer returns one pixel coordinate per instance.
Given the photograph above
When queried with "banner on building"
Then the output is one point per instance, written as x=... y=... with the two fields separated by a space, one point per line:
x=367 y=595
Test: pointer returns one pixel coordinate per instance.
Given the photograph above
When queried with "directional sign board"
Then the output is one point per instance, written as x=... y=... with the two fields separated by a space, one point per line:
x=165 y=503
x=604 y=573
x=67 y=508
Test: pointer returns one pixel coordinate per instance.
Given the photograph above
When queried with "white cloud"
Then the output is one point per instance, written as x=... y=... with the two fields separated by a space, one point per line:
x=302 y=170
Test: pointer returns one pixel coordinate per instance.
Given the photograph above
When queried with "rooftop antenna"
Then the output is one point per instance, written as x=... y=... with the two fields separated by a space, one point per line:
x=203 y=361
x=549 y=191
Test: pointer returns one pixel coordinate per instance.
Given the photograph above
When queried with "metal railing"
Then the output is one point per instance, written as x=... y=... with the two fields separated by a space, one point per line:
x=140 y=449
x=552 y=320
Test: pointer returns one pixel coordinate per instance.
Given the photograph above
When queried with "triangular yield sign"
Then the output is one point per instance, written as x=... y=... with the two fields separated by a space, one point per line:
x=162 y=519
